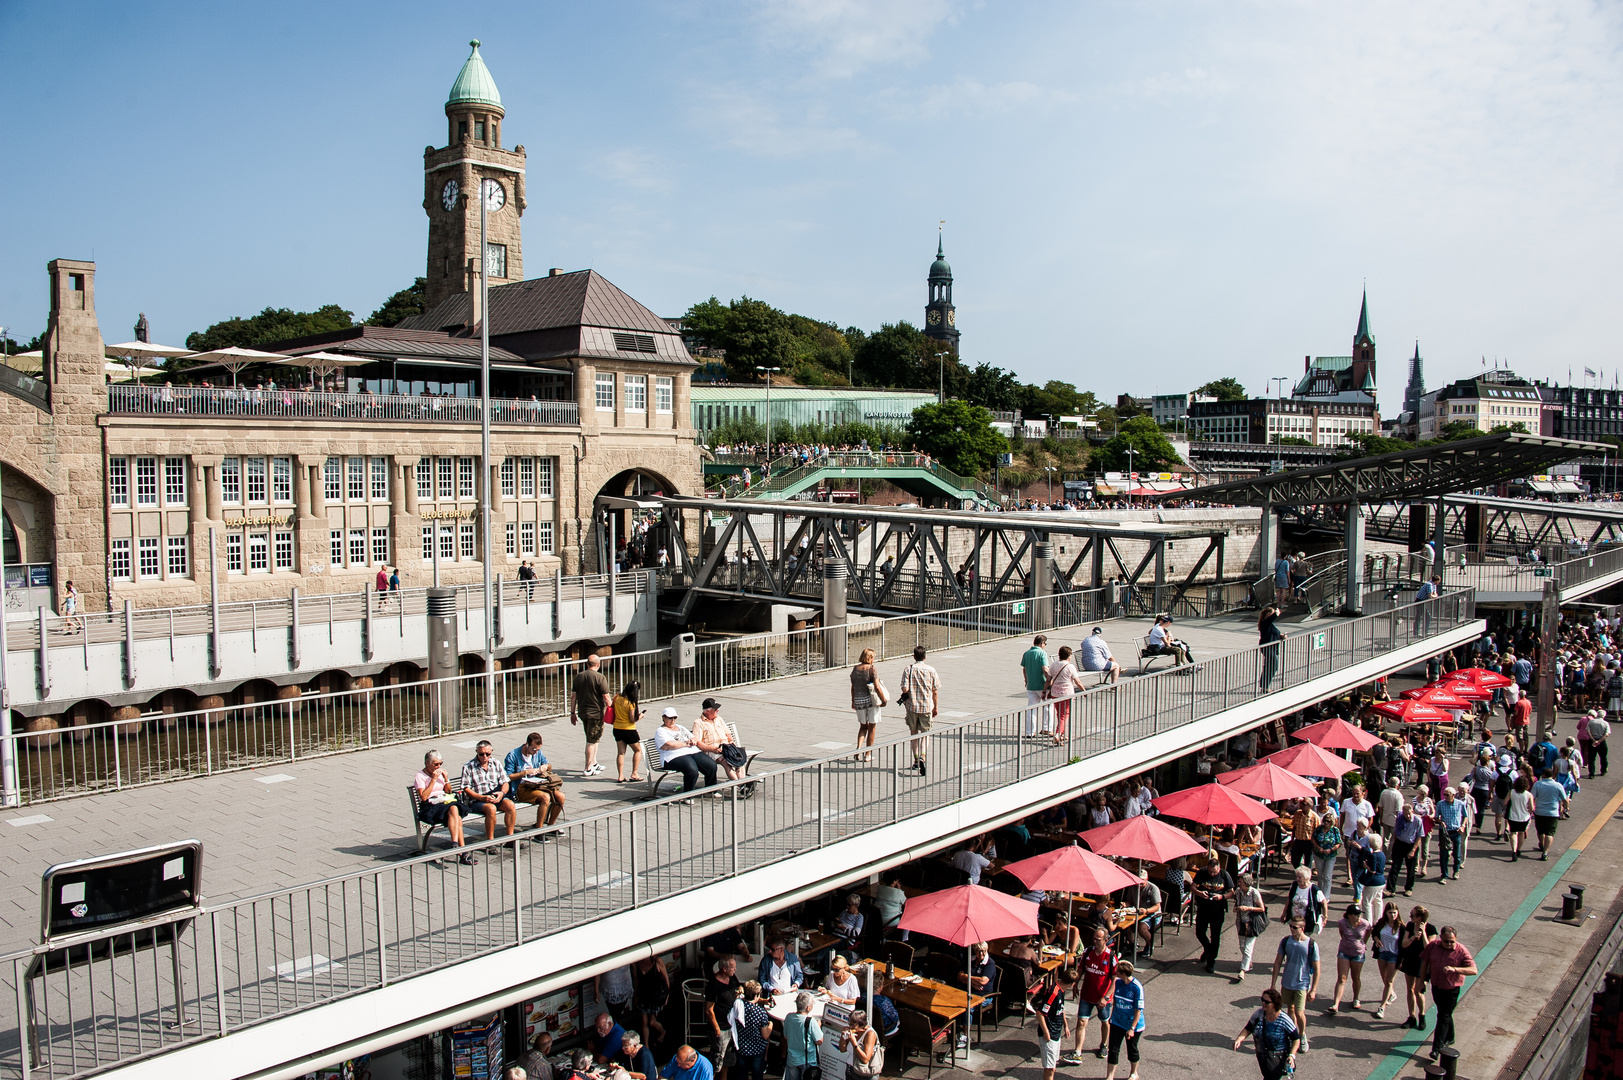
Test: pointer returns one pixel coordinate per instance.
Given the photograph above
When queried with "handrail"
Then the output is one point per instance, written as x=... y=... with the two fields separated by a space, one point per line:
x=30 y=388
x=789 y=468
x=247 y=961
x=207 y=402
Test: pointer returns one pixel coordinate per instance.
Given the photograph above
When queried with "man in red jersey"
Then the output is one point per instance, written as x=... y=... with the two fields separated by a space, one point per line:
x=1098 y=966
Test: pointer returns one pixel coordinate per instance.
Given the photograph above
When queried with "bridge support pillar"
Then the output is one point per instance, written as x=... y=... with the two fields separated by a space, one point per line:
x=1476 y=533
x=1268 y=542
x=1042 y=585
x=1355 y=560
x=1440 y=537
x=1419 y=525
x=835 y=574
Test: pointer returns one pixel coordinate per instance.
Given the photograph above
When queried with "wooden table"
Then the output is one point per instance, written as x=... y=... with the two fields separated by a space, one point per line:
x=942 y=1003
x=1045 y=962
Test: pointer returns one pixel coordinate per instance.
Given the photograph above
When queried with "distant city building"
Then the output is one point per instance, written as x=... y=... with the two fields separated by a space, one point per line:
x=1172 y=409
x=1582 y=412
x=716 y=405
x=1417 y=382
x=940 y=317
x=1493 y=399
x=1342 y=378
x=1263 y=420
x=1130 y=403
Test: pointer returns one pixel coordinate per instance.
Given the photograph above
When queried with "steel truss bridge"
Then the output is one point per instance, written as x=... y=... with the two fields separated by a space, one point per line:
x=919 y=560
x=1488 y=523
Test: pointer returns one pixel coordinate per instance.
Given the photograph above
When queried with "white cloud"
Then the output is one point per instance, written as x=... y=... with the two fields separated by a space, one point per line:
x=844 y=37
x=636 y=168
x=751 y=120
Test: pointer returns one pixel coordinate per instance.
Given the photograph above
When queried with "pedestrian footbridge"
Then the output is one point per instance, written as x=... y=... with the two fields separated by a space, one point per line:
x=278 y=984
x=917 y=474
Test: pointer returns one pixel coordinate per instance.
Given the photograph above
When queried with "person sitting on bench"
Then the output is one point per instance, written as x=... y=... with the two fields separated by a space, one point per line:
x=1096 y=655
x=1162 y=643
x=533 y=781
x=435 y=803
x=484 y=789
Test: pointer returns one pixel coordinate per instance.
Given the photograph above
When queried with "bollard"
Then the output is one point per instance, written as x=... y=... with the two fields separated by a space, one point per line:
x=1577 y=890
x=443 y=654
x=1450 y=1061
x=1569 y=907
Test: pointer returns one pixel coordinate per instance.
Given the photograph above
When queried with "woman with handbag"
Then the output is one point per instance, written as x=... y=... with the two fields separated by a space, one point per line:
x=1250 y=919
x=1063 y=683
x=713 y=735
x=1275 y=1036
x=867 y=1056
x=867 y=698
x=802 y=1035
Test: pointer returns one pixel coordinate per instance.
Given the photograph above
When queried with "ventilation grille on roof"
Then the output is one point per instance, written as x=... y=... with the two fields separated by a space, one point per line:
x=634 y=343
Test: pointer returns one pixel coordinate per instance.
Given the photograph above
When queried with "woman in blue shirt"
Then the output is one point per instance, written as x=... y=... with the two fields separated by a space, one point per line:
x=1126 y=1019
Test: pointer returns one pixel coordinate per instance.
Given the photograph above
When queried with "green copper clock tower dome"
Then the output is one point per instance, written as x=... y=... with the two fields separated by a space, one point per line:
x=940 y=317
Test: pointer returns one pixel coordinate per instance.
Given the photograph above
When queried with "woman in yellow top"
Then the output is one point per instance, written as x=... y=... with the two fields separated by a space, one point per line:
x=626 y=713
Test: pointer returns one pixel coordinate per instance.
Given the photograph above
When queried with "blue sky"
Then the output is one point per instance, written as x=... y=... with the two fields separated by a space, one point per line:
x=1138 y=197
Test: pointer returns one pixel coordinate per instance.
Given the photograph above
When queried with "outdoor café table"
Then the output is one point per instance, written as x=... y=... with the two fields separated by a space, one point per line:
x=942 y=1003
x=783 y=1005
x=1049 y=958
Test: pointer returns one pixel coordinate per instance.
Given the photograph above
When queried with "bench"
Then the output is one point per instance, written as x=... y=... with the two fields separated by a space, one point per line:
x=424 y=831
x=1148 y=654
x=657 y=771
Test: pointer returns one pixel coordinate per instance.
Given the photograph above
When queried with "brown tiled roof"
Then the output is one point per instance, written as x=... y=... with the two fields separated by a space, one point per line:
x=582 y=298
x=391 y=341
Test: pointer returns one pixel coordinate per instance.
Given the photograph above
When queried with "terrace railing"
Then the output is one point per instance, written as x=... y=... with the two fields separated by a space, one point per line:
x=208 y=402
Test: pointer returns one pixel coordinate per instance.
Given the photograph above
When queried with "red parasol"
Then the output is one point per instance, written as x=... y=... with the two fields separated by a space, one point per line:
x=1468 y=691
x=1310 y=760
x=1072 y=869
x=1142 y=837
x=1266 y=780
x=1214 y=804
x=1412 y=712
x=1336 y=734
x=969 y=913
x=1439 y=695
x=1477 y=676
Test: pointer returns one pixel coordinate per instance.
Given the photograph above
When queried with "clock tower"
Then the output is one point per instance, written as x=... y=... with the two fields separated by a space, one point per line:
x=452 y=176
x=940 y=317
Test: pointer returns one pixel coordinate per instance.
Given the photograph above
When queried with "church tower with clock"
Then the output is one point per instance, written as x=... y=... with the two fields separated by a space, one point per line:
x=452 y=176
x=940 y=317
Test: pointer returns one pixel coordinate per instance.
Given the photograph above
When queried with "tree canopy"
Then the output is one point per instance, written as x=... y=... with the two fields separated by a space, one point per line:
x=272 y=324
x=957 y=433
x=402 y=305
x=1151 y=449
x=1227 y=388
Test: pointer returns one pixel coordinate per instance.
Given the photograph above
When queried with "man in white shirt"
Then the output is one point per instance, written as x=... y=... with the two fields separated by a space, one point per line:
x=972 y=863
x=1391 y=805
x=1354 y=809
x=1096 y=655
x=1162 y=641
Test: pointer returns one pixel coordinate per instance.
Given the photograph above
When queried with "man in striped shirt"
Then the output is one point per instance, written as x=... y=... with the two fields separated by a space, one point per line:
x=921 y=693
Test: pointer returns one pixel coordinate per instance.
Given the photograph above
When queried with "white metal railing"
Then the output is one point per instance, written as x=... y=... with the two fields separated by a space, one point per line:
x=256 y=959
x=283 y=404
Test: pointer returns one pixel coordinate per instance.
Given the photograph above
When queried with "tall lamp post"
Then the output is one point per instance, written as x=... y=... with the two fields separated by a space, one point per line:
x=768 y=372
x=489 y=192
x=1131 y=477
x=1049 y=469
x=941 y=361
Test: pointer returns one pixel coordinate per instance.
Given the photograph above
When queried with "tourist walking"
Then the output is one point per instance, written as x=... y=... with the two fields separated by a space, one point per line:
x=627 y=711
x=1296 y=974
x=592 y=701
x=1126 y=1021
x=1599 y=732
x=1274 y=1035
x=921 y=697
x=1063 y=682
x=1052 y=1025
x=1450 y=830
x=1271 y=644
x=1213 y=889
x=1388 y=942
x=1372 y=877
x=1518 y=812
x=1549 y=806
x=1306 y=901
x=1417 y=934
x=1097 y=966
x=1351 y=952
x=867 y=698
x=1034 y=669
x=1326 y=848
x=1250 y=920
x=1446 y=963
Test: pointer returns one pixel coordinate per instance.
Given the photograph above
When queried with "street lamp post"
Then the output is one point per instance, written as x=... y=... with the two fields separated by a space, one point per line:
x=487 y=190
x=769 y=371
x=1131 y=478
x=941 y=390
x=1049 y=469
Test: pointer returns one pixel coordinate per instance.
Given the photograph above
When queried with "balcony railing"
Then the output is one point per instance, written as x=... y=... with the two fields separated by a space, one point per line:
x=247 y=961
x=258 y=403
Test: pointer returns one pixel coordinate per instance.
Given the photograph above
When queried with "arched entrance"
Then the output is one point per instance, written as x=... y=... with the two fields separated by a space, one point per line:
x=635 y=533
x=28 y=539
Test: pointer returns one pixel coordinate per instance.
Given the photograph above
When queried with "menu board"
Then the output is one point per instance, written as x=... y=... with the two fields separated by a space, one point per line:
x=477 y=1049
x=829 y=1055
x=558 y=1014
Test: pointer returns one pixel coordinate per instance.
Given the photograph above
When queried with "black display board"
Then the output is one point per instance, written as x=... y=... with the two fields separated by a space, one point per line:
x=108 y=891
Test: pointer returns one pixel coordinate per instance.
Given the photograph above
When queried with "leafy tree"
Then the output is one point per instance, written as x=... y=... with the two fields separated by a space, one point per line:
x=959 y=434
x=1128 y=407
x=707 y=322
x=1457 y=429
x=992 y=388
x=1290 y=440
x=1517 y=427
x=897 y=354
x=272 y=324
x=402 y=305
x=1151 y=449
x=13 y=346
x=1227 y=388
x=1370 y=445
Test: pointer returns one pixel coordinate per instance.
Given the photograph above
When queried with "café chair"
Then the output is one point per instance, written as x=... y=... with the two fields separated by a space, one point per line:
x=918 y=1034
x=993 y=996
x=694 y=1024
x=898 y=953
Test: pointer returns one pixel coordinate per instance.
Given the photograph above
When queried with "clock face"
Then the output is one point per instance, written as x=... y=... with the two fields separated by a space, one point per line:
x=952 y=318
x=448 y=194
x=495 y=195
x=933 y=318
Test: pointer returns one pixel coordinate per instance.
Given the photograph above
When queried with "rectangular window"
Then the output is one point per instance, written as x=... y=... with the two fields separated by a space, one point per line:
x=464 y=478
x=335 y=546
x=380 y=545
x=664 y=393
x=283 y=542
x=151 y=566
x=527 y=538
x=118 y=487
x=512 y=538
x=428 y=541
x=357 y=479
x=466 y=531
x=282 y=480
x=180 y=563
x=546 y=466
x=233 y=552
x=425 y=479
x=636 y=393
x=380 y=479
x=174 y=481
x=258 y=552
x=526 y=477
x=546 y=537
x=146 y=481
x=509 y=478
x=254 y=468
x=357 y=547
x=447 y=542
x=332 y=479
x=118 y=560
x=447 y=491
x=605 y=391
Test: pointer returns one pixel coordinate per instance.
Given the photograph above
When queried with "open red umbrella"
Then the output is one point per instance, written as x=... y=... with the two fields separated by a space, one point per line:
x=1265 y=780
x=1477 y=676
x=1143 y=838
x=1439 y=695
x=1412 y=712
x=1309 y=760
x=966 y=914
x=1214 y=804
x=1071 y=869
x=1469 y=691
x=1336 y=734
